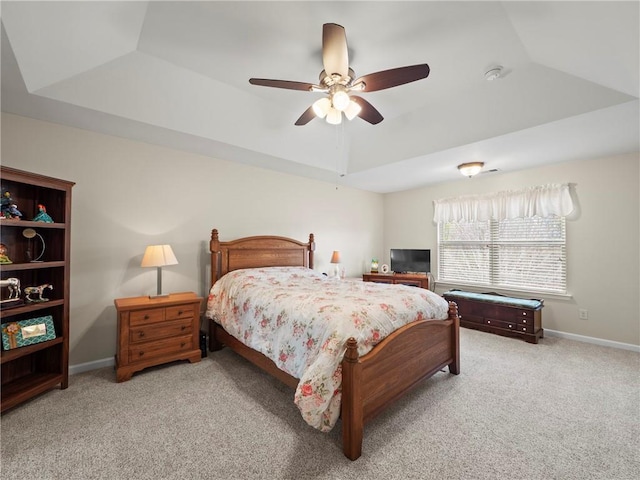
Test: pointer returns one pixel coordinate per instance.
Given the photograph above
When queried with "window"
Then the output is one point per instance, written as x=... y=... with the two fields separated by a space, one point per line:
x=513 y=240
x=517 y=253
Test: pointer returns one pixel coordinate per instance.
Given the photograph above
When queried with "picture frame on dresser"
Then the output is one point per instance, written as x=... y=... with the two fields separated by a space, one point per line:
x=32 y=369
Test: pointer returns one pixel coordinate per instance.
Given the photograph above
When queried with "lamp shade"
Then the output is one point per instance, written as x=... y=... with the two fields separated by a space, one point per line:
x=335 y=258
x=321 y=107
x=334 y=117
x=158 y=256
x=352 y=110
x=340 y=100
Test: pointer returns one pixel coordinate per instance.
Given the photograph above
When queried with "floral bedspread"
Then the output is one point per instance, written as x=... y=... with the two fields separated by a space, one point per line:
x=302 y=319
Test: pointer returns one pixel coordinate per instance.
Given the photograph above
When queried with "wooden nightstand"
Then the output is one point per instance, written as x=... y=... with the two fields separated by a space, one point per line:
x=152 y=331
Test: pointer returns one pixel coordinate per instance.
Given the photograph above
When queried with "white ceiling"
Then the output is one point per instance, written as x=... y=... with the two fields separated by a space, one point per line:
x=176 y=74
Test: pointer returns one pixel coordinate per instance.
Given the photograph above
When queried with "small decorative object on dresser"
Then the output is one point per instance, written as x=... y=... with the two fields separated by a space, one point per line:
x=153 y=331
x=374 y=265
x=499 y=314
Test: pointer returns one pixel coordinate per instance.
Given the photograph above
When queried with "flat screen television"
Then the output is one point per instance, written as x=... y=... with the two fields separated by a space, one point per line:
x=410 y=261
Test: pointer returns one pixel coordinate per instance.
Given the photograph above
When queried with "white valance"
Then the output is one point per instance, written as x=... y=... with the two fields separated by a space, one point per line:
x=541 y=201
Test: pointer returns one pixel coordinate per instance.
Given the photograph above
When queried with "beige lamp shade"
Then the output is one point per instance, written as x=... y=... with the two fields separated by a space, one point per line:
x=158 y=256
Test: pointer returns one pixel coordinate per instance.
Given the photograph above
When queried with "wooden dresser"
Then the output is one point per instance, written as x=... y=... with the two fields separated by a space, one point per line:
x=502 y=315
x=412 y=279
x=153 y=331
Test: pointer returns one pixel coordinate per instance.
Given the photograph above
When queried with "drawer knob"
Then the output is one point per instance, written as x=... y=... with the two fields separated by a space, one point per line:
x=182 y=345
x=146 y=317
x=184 y=328
x=141 y=334
x=141 y=353
x=180 y=312
x=488 y=321
x=524 y=313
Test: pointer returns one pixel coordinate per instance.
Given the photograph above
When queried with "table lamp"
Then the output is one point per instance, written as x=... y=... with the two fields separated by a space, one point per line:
x=158 y=256
x=335 y=259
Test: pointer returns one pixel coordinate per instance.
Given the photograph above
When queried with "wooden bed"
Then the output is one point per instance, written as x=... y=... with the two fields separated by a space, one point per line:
x=369 y=383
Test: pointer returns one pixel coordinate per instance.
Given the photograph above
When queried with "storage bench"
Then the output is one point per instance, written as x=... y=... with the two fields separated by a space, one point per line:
x=499 y=314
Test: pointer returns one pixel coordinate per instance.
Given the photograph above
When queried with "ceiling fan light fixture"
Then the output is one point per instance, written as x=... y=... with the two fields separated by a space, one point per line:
x=321 y=107
x=334 y=117
x=340 y=100
x=352 y=110
x=470 y=169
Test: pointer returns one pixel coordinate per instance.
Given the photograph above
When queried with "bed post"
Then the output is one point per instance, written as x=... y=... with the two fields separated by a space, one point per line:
x=352 y=414
x=454 y=367
x=312 y=247
x=214 y=248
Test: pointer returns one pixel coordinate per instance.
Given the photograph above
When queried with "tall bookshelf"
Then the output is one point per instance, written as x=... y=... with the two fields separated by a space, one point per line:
x=31 y=370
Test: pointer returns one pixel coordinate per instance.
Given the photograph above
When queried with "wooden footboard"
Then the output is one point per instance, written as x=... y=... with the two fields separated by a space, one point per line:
x=407 y=356
x=372 y=382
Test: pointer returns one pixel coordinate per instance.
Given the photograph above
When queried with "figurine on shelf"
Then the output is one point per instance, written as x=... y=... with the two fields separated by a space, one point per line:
x=4 y=257
x=13 y=284
x=38 y=291
x=42 y=215
x=9 y=209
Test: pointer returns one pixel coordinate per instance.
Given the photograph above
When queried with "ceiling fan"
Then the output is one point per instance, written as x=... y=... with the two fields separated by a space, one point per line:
x=339 y=81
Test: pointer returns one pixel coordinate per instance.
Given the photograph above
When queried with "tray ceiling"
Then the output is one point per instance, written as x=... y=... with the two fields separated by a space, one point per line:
x=176 y=74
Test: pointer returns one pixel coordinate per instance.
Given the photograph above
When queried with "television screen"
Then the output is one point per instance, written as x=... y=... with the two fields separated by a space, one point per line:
x=410 y=261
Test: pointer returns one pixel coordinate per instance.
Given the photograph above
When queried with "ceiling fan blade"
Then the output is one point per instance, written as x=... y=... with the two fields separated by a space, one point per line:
x=335 y=55
x=289 y=85
x=394 y=77
x=306 y=117
x=368 y=112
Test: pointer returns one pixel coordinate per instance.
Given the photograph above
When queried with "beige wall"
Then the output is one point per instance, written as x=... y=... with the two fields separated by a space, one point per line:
x=602 y=239
x=131 y=194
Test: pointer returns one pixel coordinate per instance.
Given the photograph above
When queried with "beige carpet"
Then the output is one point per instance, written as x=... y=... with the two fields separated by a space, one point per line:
x=556 y=410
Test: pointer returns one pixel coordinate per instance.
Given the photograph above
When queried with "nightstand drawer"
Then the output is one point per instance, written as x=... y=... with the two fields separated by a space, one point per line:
x=160 y=348
x=145 y=317
x=181 y=311
x=151 y=332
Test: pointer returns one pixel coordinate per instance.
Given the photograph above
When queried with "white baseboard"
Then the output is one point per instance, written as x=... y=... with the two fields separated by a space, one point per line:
x=596 y=341
x=85 y=367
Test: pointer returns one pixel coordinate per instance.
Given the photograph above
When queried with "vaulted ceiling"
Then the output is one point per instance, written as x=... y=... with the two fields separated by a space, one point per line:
x=176 y=74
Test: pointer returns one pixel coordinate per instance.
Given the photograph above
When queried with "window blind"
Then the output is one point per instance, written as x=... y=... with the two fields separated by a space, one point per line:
x=518 y=253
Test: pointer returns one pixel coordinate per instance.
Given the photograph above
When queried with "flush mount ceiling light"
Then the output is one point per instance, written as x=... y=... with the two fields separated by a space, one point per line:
x=493 y=73
x=470 y=169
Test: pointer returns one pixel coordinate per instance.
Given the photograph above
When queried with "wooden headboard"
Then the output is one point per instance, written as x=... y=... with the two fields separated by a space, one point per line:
x=260 y=251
